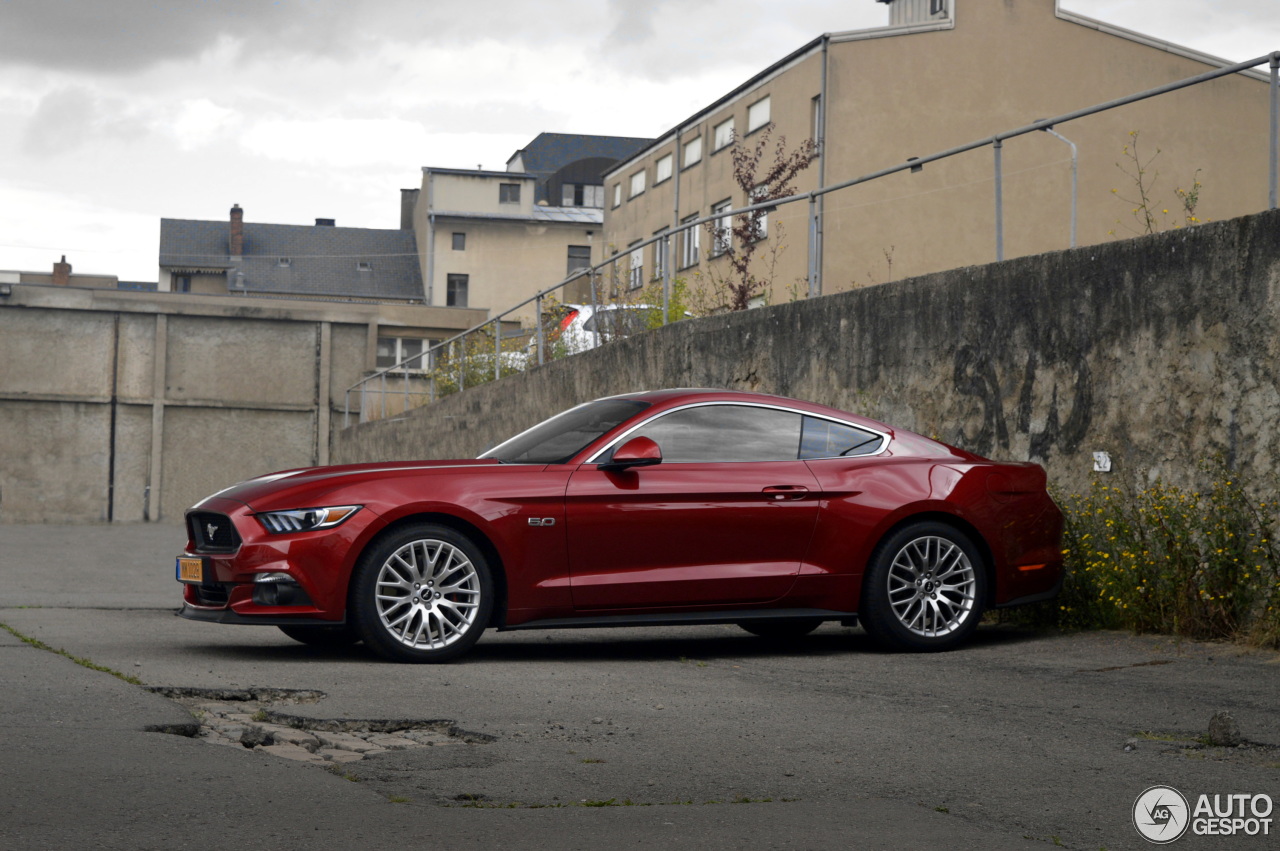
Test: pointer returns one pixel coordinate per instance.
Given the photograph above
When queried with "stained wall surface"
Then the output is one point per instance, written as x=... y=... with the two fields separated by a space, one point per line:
x=1161 y=351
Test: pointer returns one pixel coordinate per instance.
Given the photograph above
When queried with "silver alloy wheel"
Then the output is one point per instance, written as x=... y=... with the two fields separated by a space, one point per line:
x=932 y=587
x=428 y=594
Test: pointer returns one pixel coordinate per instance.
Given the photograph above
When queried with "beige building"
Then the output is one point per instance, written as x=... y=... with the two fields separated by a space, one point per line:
x=485 y=242
x=942 y=74
x=62 y=276
x=494 y=238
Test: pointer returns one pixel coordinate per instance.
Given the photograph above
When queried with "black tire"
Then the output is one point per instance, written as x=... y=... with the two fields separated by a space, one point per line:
x=421 y=594
x=924 y=589
x=781 y=629
x=335 y=636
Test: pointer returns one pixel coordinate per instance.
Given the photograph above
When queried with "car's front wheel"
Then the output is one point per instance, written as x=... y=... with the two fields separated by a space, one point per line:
x=422 y=594
x=924 y=589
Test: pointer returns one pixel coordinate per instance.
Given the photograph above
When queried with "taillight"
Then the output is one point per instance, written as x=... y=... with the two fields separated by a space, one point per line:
x=568 y=319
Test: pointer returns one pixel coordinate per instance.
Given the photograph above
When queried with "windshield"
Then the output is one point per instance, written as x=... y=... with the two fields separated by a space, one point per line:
x=558 y=439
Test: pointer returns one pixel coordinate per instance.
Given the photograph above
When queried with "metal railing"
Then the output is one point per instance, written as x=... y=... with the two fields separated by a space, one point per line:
x=444 y=356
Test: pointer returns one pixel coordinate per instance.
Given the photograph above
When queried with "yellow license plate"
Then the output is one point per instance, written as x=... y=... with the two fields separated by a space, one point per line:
x=191 y=570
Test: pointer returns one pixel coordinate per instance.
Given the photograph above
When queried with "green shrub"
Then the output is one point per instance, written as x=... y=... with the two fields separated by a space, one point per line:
x=1200 y=564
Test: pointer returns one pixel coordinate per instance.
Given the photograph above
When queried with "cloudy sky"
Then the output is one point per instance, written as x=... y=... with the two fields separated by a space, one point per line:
x=115 y=113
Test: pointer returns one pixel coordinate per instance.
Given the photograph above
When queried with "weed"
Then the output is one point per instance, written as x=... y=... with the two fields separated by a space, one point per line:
x=337 y=770
x=261 y=716
x=591 y=761
x=79 y=660
x=941 y=809
x=397 y=799
x=1195 y=563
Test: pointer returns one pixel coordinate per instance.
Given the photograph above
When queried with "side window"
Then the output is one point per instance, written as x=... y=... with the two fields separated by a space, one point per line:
x=827 y=439
x=718 y=433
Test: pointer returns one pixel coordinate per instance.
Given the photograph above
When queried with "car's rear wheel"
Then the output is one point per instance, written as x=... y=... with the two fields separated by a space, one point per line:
x=924 y=589
x=422 y=594
x=781 y=629
x=322 y=636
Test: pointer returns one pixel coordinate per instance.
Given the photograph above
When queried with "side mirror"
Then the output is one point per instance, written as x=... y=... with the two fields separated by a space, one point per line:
x=636 y=452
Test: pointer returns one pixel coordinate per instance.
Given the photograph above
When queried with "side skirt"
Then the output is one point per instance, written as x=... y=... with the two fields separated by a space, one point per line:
x=686 y=618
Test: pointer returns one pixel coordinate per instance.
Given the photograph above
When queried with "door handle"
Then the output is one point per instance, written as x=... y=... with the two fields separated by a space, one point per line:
x=778 y=493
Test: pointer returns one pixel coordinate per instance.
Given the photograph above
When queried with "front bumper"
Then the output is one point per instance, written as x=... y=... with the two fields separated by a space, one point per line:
x=317 y=564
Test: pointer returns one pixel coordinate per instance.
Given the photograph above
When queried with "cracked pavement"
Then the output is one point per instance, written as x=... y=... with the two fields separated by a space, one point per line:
x=589 y=738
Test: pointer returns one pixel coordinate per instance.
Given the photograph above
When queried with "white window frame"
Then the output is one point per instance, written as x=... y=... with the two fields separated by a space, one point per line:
x=636 y=185
x=690 y=243
x=693 y=151
x=758 y=114
x=400 y=352
x=635 y=268
x=722 y=135
x=617 y=194
x=722 y=228
x=660 y=255
x=662 y=168
x=760 y=193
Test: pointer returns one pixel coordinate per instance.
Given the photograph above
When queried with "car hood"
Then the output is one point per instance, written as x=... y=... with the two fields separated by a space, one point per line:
x=310 y=483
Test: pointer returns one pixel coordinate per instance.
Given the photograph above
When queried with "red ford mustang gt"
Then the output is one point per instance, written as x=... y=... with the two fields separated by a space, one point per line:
x=667 y=507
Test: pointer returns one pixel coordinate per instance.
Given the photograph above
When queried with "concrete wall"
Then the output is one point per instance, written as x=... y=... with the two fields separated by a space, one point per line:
x=1161 y=351
x=131 y=406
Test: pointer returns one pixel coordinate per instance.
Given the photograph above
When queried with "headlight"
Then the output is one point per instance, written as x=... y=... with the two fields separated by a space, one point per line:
x=306 y=519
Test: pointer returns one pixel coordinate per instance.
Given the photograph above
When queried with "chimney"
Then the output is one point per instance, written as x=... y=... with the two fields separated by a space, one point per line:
x=325 y=223
x=62 y=273
x=236 y=242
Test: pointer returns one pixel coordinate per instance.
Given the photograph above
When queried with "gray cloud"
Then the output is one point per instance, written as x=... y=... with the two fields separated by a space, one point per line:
x=123 y=36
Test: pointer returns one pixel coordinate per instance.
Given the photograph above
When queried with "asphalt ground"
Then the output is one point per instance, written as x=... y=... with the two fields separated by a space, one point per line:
x=699 y=737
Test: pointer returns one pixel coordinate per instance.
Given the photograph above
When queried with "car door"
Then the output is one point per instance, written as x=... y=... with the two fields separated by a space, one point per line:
x=725 y=518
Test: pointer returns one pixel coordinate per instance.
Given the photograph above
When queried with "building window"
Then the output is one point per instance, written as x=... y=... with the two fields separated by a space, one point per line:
x=937 y=7
x=637 y=184
x=690 y=243
x=693 y=151
x=723 y=135
x=581 y=195
x=509 y=193
x=396 y=350
x=761 y=193
x=660 y=255
x=579 y=258
x=459 y=242
x=757 y=115
x=364 y=266
x=617 y=194
x=721 y=228
x=815 y=115
x=456 y=293
x=182 y=284
x=635 y=274
x=284 y=262
x=662 y=169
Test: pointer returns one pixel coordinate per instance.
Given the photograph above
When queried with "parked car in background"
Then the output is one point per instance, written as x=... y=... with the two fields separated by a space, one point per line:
x=664 y=507
x=580 y=327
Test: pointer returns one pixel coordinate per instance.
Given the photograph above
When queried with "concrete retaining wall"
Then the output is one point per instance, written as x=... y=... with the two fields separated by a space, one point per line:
x=131 y=406
x=1160 y=350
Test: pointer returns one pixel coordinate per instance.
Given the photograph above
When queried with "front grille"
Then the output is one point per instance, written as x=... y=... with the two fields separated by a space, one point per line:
x=213 y=594
x=212 y=532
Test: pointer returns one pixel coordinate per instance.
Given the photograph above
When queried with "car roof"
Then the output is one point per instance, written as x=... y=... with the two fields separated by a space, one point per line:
x=676 y=396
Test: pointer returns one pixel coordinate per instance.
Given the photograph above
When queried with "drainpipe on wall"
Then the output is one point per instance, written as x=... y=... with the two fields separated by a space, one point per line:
x=431 y=239
x=669 y=242
x=816 y=210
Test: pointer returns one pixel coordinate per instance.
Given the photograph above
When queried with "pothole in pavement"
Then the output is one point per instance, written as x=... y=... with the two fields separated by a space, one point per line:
x=250 y=718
